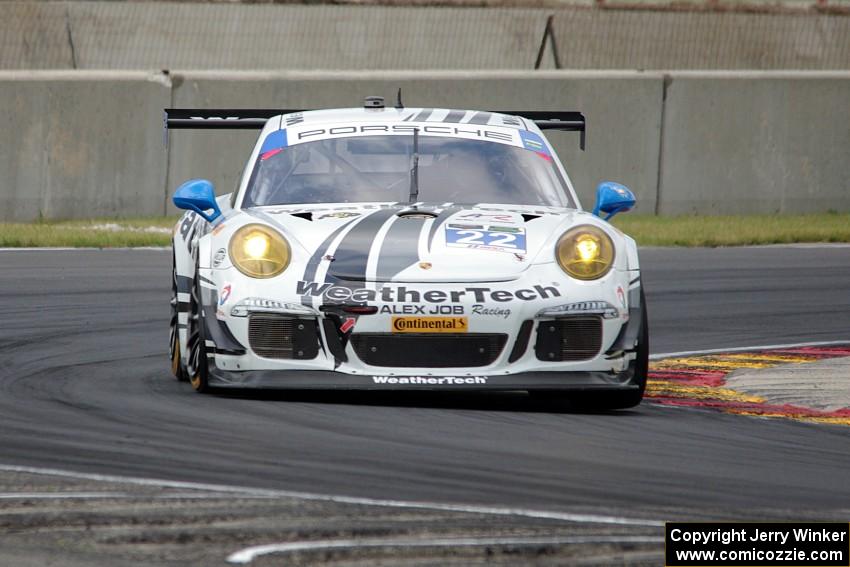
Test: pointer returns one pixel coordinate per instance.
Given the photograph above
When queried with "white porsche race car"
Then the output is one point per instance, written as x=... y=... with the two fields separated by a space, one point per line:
x=405 y=248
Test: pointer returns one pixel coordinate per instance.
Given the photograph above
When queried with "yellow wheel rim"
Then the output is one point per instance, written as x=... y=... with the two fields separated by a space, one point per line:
x=196 y=380
x=175 y=357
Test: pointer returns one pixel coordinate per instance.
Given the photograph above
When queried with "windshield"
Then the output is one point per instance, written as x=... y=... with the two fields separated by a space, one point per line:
x=377 y=169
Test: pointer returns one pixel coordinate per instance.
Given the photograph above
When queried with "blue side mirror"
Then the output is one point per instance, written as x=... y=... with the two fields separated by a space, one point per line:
x=197 y=195
x=612 y=198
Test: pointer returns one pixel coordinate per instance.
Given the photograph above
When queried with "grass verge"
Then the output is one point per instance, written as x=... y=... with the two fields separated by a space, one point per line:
x=735 y=230
x=647 y=230
x=123 y=233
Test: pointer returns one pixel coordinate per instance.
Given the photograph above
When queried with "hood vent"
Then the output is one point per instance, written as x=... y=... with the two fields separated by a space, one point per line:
x=420 y=215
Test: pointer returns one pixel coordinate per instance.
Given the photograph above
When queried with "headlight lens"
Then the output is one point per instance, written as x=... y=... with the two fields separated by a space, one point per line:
x=585 y=252
x=258 y=251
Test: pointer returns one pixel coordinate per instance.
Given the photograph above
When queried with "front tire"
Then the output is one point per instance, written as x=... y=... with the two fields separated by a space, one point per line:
x=174 y=331
x=197 y=369
x=630 y=399
x=601 y=401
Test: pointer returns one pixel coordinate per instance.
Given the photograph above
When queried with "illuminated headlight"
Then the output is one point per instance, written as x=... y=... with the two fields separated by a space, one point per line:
x=258 y=304
x=259 y=252
x=585 y=252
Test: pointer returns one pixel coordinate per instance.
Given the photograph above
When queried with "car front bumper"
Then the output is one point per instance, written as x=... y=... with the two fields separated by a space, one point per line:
x=521 y=364
x=624 y=380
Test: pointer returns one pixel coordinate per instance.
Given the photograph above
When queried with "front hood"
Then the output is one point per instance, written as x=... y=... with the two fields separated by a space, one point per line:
x=383 y=242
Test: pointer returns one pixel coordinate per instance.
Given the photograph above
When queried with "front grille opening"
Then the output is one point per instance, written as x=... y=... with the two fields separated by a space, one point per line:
x=425 y=350
x=570 y=339
x=272 y=335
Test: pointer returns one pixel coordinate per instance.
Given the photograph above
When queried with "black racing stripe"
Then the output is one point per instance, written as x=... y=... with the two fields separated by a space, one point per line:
x=400 y=248
x=316 y=258
x=352 y=254
x=438 y=222
x=454 y=116
x=480 y=118
x=321 y=251
x=423 y=115
x=184 y=284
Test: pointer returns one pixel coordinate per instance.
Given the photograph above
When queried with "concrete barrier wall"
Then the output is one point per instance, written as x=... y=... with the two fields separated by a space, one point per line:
x=756 y=143
x=169 y=35
x=630 y=39
x=246 y=36
x=89 y=144
x=79 y=145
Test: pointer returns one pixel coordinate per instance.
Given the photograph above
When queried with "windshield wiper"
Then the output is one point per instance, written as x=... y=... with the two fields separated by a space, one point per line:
x=414 y=169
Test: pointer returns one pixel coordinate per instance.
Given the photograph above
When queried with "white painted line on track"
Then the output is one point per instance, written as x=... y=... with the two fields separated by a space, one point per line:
x=84 y=248
x=60 y=495
x=746 y=349
x=250 y=553
x=63 y=495
x=825 y=245
x=798 y=245
x=242 y=491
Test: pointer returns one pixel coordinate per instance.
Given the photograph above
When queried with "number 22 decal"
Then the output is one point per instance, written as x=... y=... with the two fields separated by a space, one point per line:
x=485 y=239
x=478 y=237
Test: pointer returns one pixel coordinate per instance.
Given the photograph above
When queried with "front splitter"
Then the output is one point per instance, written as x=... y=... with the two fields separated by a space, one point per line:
x=328 y=380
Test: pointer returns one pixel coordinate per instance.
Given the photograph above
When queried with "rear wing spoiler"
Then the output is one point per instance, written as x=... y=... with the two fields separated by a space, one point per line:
x=569 y=121
x=255 y=119
x=221 y=118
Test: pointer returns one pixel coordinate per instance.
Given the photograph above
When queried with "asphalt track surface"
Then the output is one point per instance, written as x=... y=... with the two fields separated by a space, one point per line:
x=85 y=386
